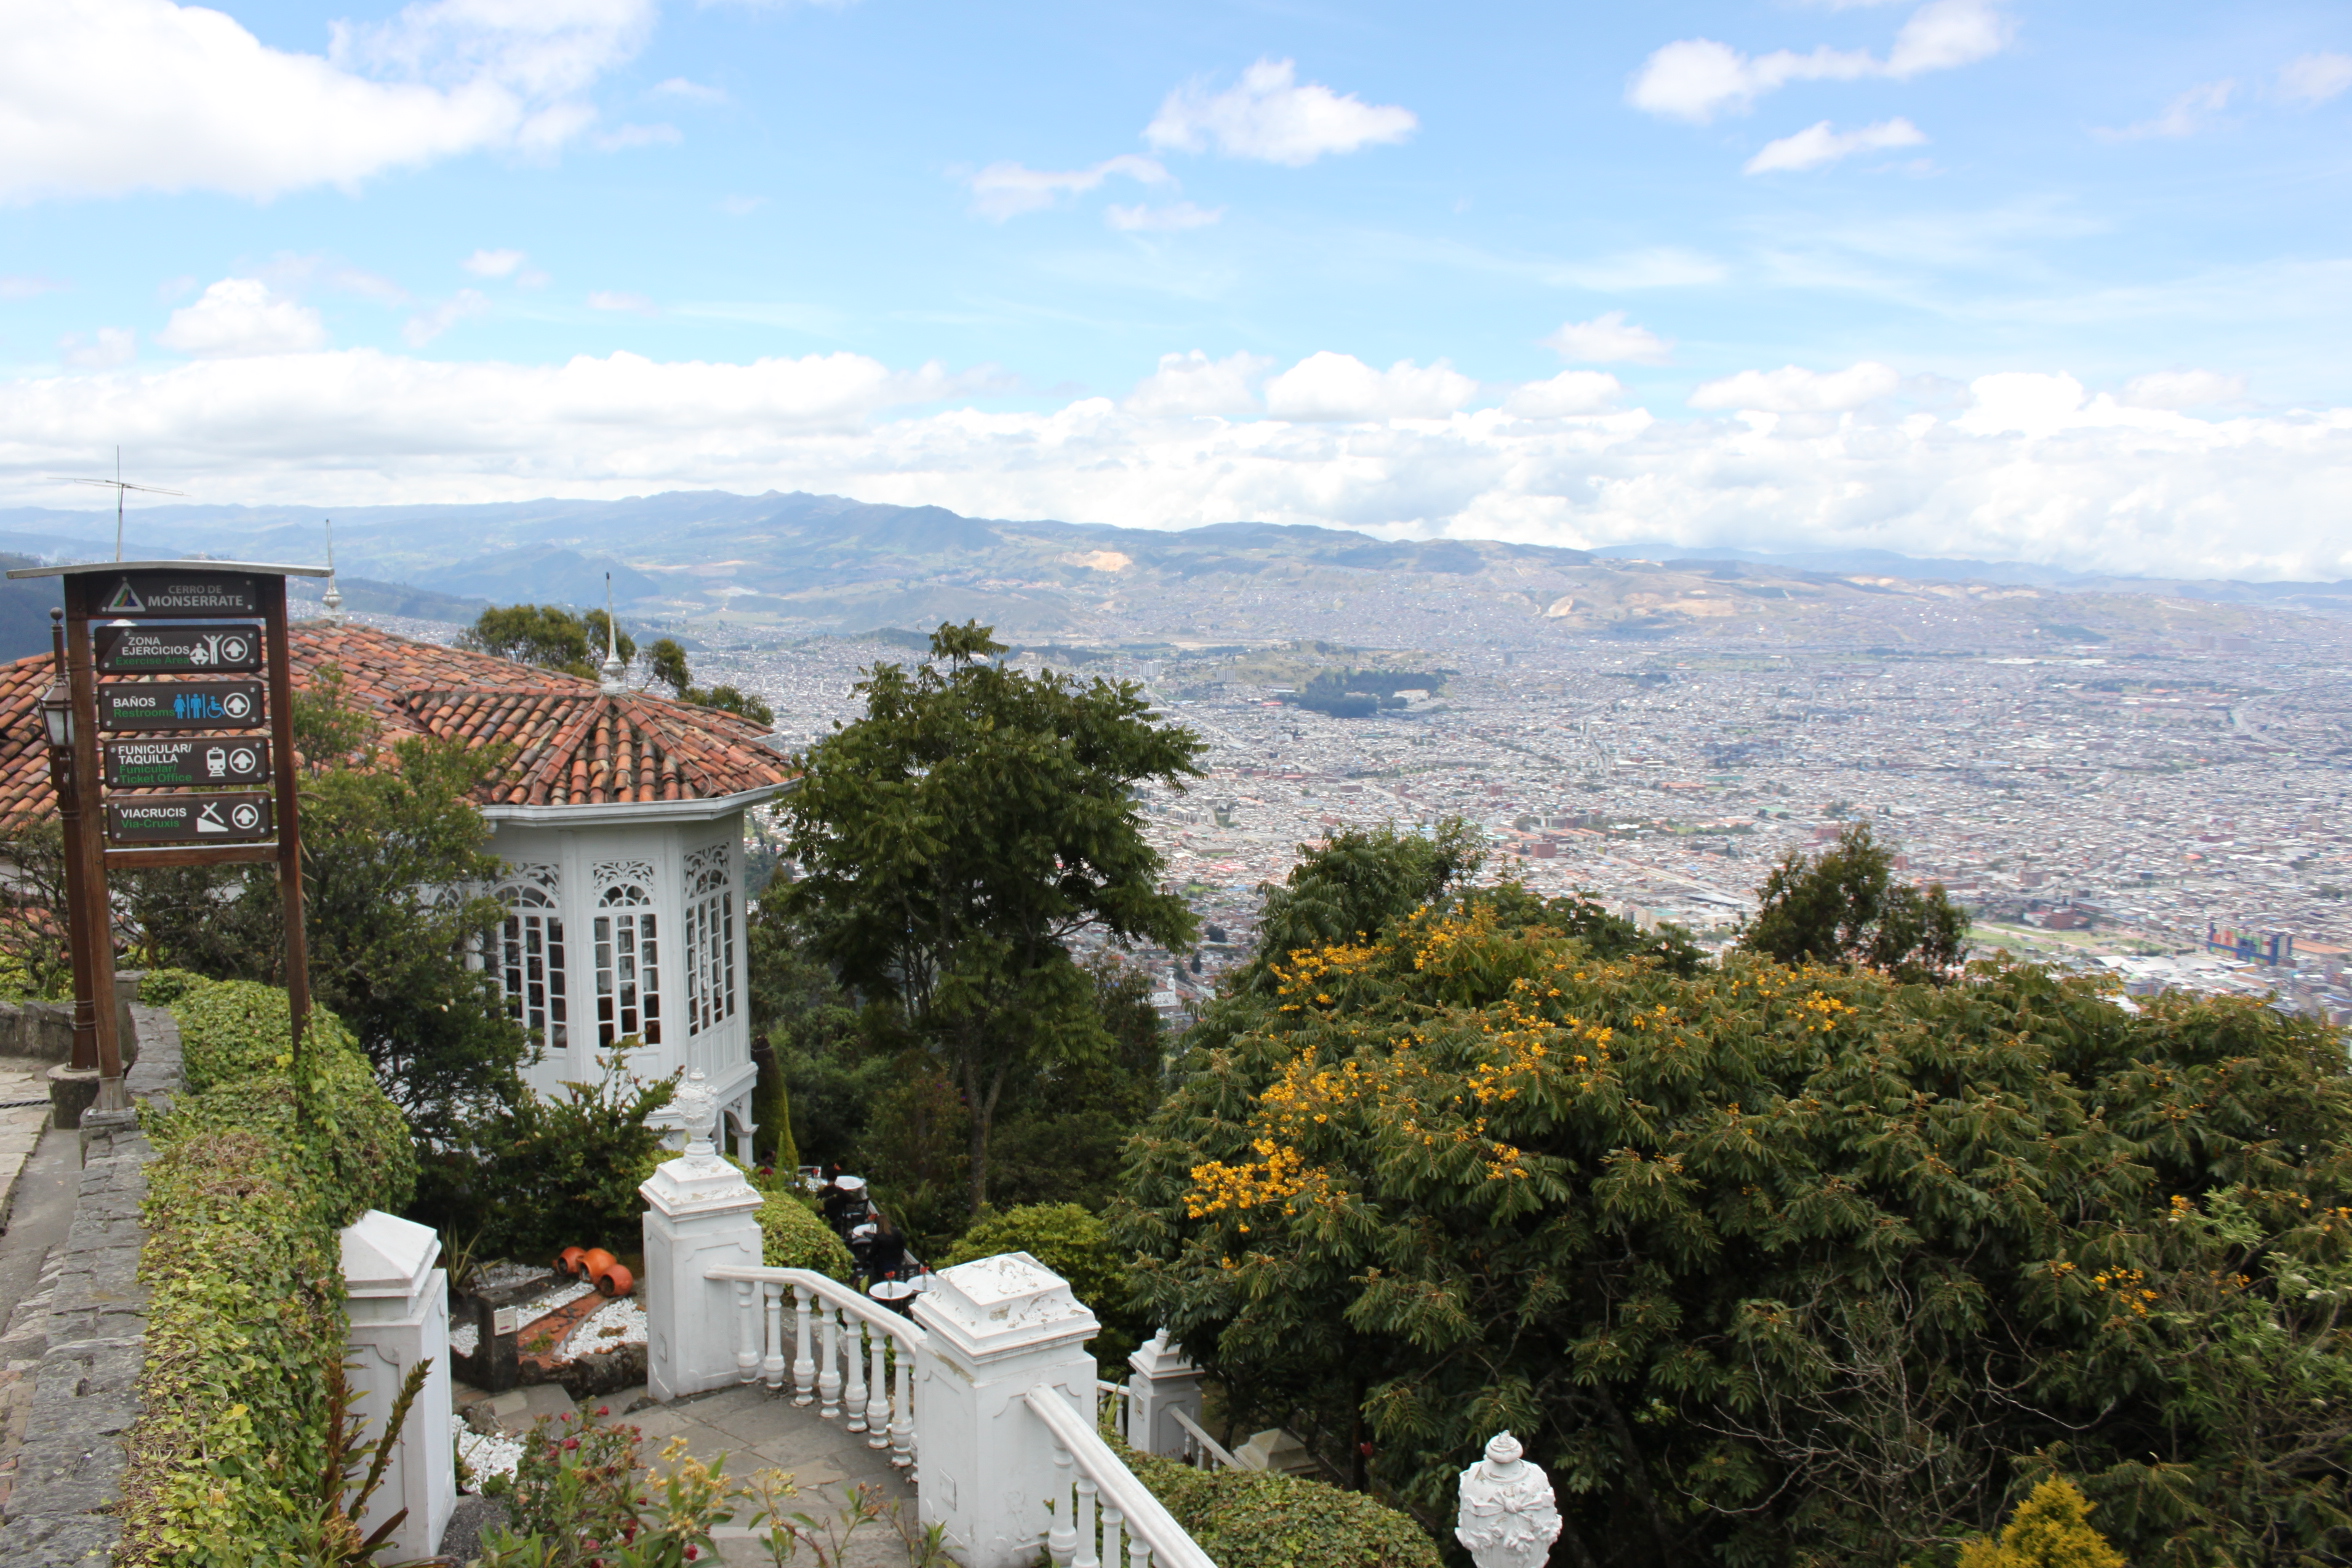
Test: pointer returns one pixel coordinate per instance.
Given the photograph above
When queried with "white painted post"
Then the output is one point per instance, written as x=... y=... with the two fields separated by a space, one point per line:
x=1162 y=1383
x=997 y=1328
x=398 y=1304
x=700 y=1214
x=1508 y=1518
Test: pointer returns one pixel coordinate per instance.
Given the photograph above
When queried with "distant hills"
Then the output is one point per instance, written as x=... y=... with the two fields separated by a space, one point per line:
x=801 y=564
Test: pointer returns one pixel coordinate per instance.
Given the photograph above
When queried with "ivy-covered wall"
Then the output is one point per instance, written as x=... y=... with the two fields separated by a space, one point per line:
x=244 y=1201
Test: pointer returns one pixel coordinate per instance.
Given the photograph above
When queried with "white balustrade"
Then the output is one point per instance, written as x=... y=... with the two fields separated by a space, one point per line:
x=852 y=1354
x=1200 y=1450
x=1132 y=1529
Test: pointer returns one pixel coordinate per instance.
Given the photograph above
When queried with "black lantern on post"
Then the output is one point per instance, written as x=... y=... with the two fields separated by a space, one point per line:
x=57 y=718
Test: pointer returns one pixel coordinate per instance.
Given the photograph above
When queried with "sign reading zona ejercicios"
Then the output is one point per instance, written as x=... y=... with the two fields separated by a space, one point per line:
x=180 y=705
x=190 y=646
x=179 y=594
x=180 y=819
x=181 y=761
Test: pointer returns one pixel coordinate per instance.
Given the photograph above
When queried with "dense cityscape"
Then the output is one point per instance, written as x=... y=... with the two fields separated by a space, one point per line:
x=2156 y=800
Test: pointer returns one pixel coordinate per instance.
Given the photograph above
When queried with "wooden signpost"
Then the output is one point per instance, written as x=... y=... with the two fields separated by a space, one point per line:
x=195 y=786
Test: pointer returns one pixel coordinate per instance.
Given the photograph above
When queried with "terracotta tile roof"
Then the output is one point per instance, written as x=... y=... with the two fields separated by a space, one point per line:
x=572 y=744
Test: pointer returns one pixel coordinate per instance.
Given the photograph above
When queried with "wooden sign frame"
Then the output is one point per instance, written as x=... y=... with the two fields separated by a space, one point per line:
x=88 y=925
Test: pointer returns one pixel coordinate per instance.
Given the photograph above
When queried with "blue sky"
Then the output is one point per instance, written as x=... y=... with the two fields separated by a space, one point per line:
x=1570 y=273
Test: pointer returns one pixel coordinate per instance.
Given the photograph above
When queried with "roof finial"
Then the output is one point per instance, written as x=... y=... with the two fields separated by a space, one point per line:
x=333 y=598
x=612 y=685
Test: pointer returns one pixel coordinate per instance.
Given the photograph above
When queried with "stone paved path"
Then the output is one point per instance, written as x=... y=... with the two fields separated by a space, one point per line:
x=756 y=1430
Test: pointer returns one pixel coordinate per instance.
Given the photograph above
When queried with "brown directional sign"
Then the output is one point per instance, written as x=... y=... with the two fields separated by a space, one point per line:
x=186 y=647
x=185 y=760
x=178 y=594
x=180 y=705
x=188 y=819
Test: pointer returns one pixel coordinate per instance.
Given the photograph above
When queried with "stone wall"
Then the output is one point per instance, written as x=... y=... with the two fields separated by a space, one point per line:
x=85 y=1394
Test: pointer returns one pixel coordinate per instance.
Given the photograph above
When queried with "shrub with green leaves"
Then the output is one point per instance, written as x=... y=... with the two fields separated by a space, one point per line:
x=793 y=1237
x=1261 y=1519
x=244 y=1201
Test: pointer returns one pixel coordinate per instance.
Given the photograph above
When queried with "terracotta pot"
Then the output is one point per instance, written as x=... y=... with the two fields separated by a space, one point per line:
x=567 y=1262
x=594 y=1262
x=616 y=1280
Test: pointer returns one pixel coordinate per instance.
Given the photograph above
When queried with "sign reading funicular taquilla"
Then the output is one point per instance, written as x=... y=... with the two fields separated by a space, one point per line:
x=176 y=593
x=164 y=764
x=180 y=705
x=188 y=646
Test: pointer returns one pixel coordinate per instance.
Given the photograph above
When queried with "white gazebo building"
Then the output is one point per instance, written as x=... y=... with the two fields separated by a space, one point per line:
x=620 y=817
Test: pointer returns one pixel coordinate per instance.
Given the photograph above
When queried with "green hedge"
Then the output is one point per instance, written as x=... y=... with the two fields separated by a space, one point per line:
x=244 y=1265
x=792 y=1236
x=1259 y=1519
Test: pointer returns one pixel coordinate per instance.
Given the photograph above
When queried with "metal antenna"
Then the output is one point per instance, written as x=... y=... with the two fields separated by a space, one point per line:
x=117 y=485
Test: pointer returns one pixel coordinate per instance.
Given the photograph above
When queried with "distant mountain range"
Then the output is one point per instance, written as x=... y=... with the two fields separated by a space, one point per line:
x=808 y=563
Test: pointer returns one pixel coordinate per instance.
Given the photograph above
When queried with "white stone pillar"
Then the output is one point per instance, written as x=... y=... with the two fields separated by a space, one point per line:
x=700 y=1213
x=1163 y=1382
x=1508 y=1517
x=996 y=1328
x=398 y=1304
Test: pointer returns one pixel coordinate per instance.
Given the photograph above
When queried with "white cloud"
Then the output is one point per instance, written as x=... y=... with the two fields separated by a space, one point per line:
x=105 y=349
x=426 y=325
x=2032 y=471
x=692 y=92
x=1568 y=393
x=2315 y=78
x=1190 y=384
x=1343 y=387
x=1607 y=339
x=494 y=263
x=1697 y=78
x=243 y=316
x=2186 y=115
x=109 y=96
x=1176 y=215
x=622 y=137
x=1795 y=390
x=2183 y=389
x=19 y=286
x=1822 y=143
x=617 y=299
x=1269 y=117
x=1006 y=190
x=1657 y=267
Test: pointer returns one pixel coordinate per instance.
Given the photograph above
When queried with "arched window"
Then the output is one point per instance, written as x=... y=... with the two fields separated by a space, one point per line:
x=628 y=965
x=531 y=958
x=710 y=938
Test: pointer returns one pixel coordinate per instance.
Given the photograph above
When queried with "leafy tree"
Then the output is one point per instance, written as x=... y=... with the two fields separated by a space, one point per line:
x=955 y=839
x=2051 y=1529
x=668 y=667
x=386 y=849
x=666 y=663
x=329 y=728
x=547 y=635
x=1768 y=1265
x=34 y=958
x=1843 y=906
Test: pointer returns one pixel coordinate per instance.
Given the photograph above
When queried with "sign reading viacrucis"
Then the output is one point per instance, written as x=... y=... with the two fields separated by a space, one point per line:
x=178 y=819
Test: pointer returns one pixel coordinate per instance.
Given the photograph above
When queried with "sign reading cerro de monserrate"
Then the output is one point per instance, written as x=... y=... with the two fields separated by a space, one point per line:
x=178 y=819
x=175 y=592
x=189 y=646
x=181 y=705
x=163 y=764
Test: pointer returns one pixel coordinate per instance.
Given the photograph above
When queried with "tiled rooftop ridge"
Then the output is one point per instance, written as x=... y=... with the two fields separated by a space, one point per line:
x=573 y=745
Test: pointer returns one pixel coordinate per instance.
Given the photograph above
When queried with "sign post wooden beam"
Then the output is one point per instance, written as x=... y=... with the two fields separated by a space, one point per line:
x=95 y=928
x=281 y=716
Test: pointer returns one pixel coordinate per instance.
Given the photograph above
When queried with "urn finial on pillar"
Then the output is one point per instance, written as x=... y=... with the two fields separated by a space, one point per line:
x=1508 y=1517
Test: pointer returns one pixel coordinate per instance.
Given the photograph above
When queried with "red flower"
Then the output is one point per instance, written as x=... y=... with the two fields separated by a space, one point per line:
x=571 y=1442
x=604 y=1410
x=693 y=1552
